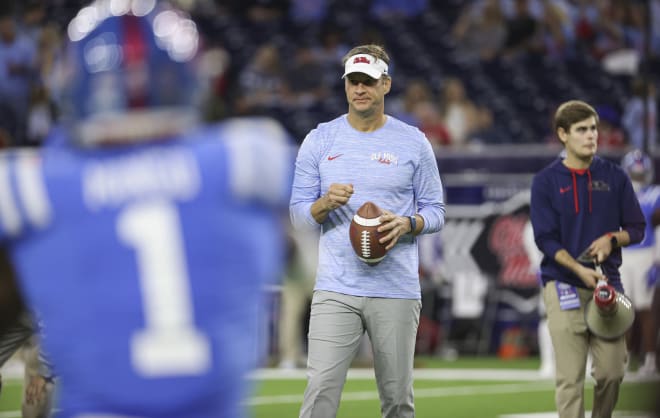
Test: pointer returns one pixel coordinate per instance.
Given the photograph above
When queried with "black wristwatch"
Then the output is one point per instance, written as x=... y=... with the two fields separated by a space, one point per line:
x=613 y=240
x=413 y=223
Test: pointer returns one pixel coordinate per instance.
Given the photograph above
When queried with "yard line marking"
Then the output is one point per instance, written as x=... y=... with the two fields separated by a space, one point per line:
x=440 y=374
x=419 y=393
x=436 y=374
x=10 y=414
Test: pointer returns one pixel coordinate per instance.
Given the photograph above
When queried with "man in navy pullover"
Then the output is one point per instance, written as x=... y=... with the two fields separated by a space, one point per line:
x=582 y=204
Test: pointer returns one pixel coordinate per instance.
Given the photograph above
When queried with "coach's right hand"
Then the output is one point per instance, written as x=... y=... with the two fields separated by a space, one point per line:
x=337 y=195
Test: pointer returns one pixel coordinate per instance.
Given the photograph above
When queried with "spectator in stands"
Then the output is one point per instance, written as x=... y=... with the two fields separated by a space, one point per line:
x=329 y=52
x=48 y=50
x=33 y=19
x=610 y=134
x=41 y=116
x=417 y=107
x=600 y=27
x=403 y=107
x=480 y=30
x=305 y=89
x=18 y=71
x=521 y=30
x=556 y=31
x=462 y=117
x=582 y=204
x=636 y=126
x=430 y=123
x=262 y=84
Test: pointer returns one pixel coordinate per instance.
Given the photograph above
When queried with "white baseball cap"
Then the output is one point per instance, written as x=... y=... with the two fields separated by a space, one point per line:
x=367 y=64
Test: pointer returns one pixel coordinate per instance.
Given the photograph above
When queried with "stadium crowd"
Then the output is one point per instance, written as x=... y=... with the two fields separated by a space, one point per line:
x=482 y=71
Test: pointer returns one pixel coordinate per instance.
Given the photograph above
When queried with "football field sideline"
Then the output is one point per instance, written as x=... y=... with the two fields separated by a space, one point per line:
x=419 y=393
x=442 y=374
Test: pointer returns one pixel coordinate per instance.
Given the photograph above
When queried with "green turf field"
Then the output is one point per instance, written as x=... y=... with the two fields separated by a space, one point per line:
x=468 y=388
x=452 y=399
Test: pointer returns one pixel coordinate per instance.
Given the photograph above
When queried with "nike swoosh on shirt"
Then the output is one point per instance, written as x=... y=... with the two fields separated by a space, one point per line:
x=563 y=190
x=332 y=157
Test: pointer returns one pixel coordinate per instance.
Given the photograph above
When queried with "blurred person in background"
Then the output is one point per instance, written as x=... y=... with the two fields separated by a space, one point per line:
x=21 y=336
x=297 y=291
x=262 y=84
x=417 y=107
x=18 y=334
x=18 y=72
x=143 y=240
x=329 y=51
x=430 y=123
x=546 y=353
x=582 y=204
x=638 y=259
x=610 y=134
x=33 y=19
x=480 y=30
x=521 y=31
x=460 y=115
x=417 y=90
x=556 y=31
x=633 y=119
x=304 y=87
x=365 y=155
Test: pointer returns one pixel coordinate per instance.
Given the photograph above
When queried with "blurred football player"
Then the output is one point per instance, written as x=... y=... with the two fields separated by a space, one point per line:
x=638 y=259
x=143 y=239
x=21 y=337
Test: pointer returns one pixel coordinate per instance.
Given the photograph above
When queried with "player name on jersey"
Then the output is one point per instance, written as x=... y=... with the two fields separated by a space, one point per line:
x=171 y=173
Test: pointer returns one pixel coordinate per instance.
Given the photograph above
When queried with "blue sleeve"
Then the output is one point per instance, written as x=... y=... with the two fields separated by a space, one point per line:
x=306 y=182
x=428 y=191
x=24 y=202
x=633 y=218
x=9 y=219
x=260 y=165
x=545 y=220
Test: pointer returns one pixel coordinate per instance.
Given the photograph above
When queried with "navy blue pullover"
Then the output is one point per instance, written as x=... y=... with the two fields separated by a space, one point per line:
x=572 y=208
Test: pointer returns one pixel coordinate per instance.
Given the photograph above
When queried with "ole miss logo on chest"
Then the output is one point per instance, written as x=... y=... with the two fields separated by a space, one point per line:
x=387 y=158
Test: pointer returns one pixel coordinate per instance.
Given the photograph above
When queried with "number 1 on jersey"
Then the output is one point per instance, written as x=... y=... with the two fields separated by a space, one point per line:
x=170 y=344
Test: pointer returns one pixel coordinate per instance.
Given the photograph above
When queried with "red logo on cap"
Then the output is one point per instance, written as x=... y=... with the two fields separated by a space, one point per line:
x=363 y=60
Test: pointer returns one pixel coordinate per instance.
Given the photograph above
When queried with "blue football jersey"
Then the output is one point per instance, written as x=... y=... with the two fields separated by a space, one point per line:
x=145 y=263
x=649 y=202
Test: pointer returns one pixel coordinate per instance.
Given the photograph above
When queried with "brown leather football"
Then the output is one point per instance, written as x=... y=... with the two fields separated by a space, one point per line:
x=364 y=235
